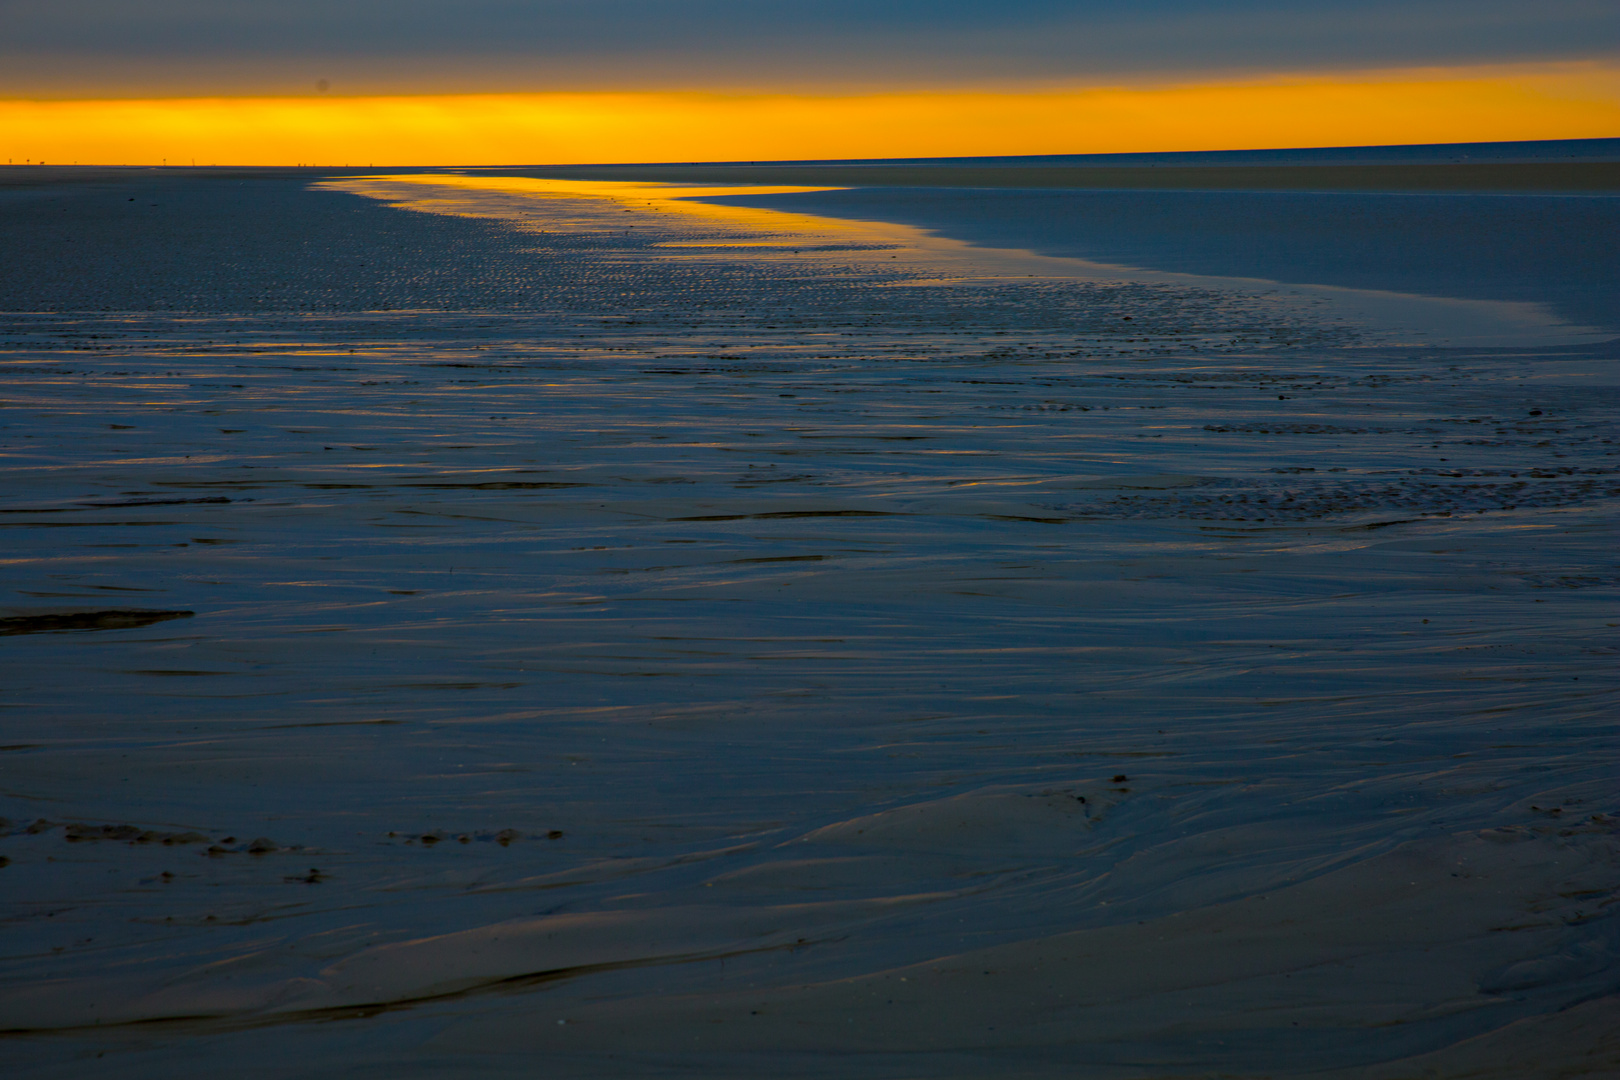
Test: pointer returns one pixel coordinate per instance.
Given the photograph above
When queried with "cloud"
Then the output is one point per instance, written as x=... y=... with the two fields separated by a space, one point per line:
x=102 y=47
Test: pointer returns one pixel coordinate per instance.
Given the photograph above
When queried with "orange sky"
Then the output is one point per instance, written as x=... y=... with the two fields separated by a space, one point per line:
x=1574 y=100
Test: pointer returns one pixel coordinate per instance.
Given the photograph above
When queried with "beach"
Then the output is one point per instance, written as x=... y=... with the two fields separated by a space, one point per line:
x=487 y=623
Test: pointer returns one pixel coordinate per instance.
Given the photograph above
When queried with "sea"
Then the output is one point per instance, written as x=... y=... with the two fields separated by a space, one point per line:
x=475 y=623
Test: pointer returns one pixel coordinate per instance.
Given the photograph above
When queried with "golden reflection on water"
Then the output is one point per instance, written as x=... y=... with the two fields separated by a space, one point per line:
x=645 y=197
x=671 y=217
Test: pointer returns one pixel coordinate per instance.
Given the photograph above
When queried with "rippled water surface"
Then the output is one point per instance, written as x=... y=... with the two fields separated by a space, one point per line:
x=464 y=627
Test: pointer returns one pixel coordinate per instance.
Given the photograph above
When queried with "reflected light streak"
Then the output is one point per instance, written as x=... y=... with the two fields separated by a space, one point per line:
x=651 y=197
x=1454 y=105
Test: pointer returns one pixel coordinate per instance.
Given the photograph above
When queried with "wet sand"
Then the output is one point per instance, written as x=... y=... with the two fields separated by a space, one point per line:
x=457 y=626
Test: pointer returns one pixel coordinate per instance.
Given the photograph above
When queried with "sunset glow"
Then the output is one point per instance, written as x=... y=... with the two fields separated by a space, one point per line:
x=1580 y=100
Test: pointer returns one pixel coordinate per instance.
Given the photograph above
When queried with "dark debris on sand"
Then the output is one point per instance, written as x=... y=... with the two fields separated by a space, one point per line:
x=105 y=619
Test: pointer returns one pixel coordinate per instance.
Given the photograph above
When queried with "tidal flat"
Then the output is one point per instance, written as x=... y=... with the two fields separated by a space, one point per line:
x=457 y=624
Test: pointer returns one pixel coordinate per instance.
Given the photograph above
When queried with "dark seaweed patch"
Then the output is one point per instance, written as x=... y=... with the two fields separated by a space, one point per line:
x=110 y=619
x=501 y=485
x=789 y=514
x=159 y=502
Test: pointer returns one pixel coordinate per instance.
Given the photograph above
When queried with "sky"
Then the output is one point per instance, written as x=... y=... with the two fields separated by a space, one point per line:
x=416 y=81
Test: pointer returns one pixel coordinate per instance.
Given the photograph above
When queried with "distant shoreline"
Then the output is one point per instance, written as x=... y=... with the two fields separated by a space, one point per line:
x=1592 y=176
x=1506 y=177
